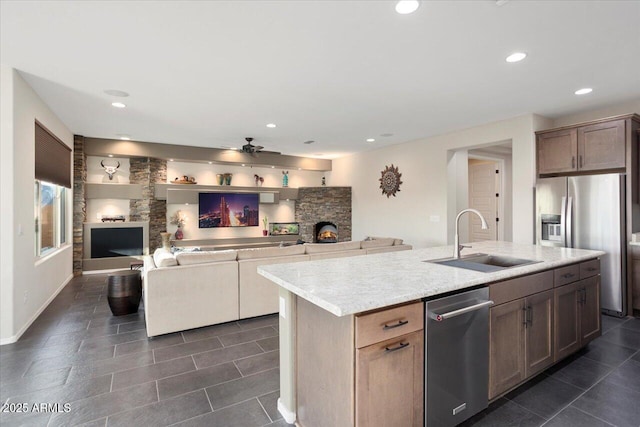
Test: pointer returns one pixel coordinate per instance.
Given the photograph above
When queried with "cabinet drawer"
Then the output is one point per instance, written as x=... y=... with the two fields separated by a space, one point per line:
x=387 y=324
x=589 y=268
x=565 y=275
x=520 y=287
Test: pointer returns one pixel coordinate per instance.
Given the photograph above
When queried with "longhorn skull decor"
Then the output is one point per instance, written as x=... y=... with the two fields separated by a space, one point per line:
x=110 y=170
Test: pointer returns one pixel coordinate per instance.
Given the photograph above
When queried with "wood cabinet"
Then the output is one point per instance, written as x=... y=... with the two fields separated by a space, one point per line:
x=557 y=151
x=589 y=147
x=540 y=319
x=360 y=370
x=521 y=340
x=389 y=382
x=601 y=146
x=577 y=315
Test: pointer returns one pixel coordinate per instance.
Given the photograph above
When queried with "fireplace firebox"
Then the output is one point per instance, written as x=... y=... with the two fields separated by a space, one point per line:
x=325 y=232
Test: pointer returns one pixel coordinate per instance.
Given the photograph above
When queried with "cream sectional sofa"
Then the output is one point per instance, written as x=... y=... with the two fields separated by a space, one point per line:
x=194 y=289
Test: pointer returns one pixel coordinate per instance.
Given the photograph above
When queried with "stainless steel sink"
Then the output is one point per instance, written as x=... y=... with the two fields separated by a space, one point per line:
x=484 y=262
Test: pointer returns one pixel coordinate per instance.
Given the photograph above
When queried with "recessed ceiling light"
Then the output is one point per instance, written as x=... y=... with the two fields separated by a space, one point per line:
x=273 y=167
x=210 y=162
x=187 y=204
x=110 y=155
x=516 y=57
x=405 y=7
x=171 y=160
x=124 y=137
x=370 y=140
x=243 y=164
x=115 y=92
x=583 y=91
x=118 y=104
x=271 y=125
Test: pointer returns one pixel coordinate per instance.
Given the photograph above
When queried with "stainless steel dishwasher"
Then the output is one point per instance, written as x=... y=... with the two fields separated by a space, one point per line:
x=456 y=357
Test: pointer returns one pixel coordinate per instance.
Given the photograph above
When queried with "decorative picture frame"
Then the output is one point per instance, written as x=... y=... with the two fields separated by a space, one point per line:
x=390 y=180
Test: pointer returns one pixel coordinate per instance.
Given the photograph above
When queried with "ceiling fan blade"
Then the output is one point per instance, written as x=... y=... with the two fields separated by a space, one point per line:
x=258 y=147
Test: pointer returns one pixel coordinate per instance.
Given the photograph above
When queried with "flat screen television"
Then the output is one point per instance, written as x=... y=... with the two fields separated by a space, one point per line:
x=228 y=210
x=118 y=241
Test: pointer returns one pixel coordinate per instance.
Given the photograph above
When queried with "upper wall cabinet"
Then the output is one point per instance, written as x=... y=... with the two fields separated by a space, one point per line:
x=589 y=147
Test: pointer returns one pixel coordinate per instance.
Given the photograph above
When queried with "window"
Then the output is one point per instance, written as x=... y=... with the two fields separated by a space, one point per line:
x=53 y=178
x=51 y=217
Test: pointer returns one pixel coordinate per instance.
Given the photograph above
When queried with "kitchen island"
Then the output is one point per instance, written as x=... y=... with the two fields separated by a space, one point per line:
x=328 y=307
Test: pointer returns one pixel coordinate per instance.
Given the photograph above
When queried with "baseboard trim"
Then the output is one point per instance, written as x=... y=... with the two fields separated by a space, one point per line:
x=289 y=416
x=24 y=328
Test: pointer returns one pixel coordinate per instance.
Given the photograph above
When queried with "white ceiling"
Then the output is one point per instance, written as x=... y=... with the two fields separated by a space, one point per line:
x=337 y=72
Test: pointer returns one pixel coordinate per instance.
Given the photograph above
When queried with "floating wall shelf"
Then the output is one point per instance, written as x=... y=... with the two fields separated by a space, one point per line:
x=96 y=190
x=188 y=193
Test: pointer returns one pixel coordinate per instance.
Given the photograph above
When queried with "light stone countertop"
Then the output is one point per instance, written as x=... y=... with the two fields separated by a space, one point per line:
x=351 y=285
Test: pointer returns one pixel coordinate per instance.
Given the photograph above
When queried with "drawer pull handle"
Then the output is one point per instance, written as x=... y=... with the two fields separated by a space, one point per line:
x=399 y=347
x=395 y=325
x=568 y=276
x=592 y=269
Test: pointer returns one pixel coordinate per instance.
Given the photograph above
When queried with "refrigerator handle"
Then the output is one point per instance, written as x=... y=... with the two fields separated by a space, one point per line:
x=563 y=221
x=569 y=222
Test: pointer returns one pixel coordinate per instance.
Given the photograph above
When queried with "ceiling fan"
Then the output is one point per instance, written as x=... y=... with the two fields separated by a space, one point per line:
x=249 y=148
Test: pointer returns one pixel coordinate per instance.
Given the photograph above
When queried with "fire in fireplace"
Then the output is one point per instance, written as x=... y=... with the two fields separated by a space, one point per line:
x=326 y=232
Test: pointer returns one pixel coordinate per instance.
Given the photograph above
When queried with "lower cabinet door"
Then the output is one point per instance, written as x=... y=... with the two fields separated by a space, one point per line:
x=567 y=320
x=389 y=382
x=506 y=346
x=538 y=332
x=590 y=309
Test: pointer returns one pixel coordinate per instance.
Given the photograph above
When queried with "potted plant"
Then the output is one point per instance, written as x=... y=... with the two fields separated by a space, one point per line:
x=178 y=218
x=265 y=221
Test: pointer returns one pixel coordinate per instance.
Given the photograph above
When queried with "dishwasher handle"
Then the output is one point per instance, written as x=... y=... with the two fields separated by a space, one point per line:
x=444 y=316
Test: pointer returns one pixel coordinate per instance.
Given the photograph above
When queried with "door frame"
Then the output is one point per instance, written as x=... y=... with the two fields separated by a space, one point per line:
x=501 y=189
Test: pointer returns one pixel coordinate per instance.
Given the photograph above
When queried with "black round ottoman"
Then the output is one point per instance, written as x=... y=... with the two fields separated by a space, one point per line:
x=124 y=290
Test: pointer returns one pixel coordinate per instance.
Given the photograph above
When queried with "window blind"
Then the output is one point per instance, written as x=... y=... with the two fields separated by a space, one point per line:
x=53 y=158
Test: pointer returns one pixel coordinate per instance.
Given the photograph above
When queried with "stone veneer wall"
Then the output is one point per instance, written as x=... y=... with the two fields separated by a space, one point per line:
x=317 y=204
x=157 y=208
x=79 y=203
x=148 y=171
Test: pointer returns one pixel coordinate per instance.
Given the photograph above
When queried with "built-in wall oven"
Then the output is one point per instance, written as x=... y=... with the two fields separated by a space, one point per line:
x=456 y=357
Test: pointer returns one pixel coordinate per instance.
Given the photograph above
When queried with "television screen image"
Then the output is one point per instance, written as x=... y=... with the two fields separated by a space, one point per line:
x=228 y=210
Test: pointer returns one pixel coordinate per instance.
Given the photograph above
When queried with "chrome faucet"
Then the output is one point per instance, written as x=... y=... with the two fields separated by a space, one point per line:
x=457 y=246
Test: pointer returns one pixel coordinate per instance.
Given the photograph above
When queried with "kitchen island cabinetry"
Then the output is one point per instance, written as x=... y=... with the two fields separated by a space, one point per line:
x=521 y=330
x=352 y=350
x=367 y=368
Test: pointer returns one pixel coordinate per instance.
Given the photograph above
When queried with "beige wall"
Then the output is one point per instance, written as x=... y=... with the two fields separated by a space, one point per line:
x=24 y=274
x=426 y=193
x=632 y=106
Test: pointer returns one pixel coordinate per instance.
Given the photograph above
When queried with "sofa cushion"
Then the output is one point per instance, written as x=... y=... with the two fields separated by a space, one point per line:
x=396 y=242
x=204 y=257
x=270 y=252
x=317 y=248
x=377 y=242
x=164 y=258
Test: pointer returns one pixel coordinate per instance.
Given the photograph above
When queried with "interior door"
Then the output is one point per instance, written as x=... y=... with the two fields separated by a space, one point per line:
x=483 y=190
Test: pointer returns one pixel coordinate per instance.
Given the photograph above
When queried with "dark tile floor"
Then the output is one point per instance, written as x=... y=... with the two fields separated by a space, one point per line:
x=110 y=374
x=598 y=386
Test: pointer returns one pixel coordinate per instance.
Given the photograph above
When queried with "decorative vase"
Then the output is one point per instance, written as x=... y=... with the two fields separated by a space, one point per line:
x=179 y=233
x=265 y=233
x=227 y=178
x=220 y=178
x=166 y=244
x=285 y=178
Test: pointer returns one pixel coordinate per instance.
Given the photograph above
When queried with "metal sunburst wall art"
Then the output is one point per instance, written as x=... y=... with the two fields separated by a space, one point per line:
x=390 y=180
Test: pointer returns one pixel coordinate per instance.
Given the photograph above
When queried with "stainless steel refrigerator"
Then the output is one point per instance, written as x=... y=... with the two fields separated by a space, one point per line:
x=588 y=212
